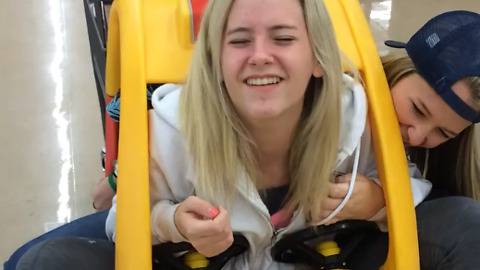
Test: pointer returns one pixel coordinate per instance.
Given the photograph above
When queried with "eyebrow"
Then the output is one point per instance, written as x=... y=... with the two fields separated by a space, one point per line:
x=283 y=26
x=238 y=30
x=273 y=28
x=427 y=111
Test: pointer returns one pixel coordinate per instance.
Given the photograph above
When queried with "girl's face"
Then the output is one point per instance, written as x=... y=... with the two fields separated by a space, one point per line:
x=425 y=119
x=267 y=60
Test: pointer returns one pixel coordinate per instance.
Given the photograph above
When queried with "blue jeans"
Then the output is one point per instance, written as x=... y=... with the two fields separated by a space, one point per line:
x=449 y=234
x=92 y=226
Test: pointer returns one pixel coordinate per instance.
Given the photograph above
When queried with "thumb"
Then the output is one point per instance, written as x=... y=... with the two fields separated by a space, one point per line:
x=200 y=207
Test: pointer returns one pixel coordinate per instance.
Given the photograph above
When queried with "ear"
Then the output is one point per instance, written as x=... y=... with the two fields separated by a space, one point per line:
x=317 y=71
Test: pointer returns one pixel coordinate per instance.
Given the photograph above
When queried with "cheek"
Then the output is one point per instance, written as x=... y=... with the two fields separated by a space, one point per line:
x=225 y=57
x=404 y=116
x=231 y=89
x=404 y=132
x=231 y=66
x=298 y=73
x=399 y=110
x=401 y=106
x=300 y=65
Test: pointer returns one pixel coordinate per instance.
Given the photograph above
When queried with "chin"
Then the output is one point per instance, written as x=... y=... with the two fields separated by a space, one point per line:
x=264 y=115
x=264 y=110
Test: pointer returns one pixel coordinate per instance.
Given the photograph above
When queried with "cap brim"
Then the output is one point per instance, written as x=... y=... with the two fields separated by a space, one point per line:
x=395 y=44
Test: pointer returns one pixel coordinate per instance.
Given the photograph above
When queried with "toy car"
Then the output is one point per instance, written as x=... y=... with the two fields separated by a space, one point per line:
x=137 y=55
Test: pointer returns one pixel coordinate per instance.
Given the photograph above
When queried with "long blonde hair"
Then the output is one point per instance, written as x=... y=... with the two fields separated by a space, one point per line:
x=220 y=144
x=463 y=175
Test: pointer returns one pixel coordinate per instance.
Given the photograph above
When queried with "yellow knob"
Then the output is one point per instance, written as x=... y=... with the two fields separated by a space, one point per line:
x=328 y=248
x=195 y=260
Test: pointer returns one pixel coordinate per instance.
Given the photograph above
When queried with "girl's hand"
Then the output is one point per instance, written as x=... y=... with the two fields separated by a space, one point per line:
x=366 y=200
x=102 y=195
x=204 y=226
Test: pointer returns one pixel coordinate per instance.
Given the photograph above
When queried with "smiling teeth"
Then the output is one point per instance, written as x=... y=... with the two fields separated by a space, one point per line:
x=263 y=81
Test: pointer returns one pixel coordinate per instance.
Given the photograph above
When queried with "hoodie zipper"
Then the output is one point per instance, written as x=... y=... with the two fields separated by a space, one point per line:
x=255 y=201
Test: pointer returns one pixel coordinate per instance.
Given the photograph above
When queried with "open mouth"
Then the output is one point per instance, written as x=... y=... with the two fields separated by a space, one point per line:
x=263 y=81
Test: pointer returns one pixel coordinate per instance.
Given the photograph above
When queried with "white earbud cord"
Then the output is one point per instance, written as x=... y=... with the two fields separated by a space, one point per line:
x=350 y=188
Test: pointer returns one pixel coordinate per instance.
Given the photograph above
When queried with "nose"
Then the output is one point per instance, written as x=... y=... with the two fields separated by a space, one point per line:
x=261 y=54
x=417 y=135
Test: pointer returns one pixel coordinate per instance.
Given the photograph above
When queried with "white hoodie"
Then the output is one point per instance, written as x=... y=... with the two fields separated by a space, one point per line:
x=172 y=179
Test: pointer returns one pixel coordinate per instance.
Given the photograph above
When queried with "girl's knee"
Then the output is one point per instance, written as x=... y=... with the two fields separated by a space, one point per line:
x=69 y=253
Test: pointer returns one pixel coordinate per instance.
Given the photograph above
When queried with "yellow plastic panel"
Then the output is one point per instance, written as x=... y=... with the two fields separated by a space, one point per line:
x=343 y=32
x=133 y=237
x=168 y=44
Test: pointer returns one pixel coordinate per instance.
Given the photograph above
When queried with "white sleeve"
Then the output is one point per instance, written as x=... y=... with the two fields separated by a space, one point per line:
x=420 y=187
x=110 y=222
x=170 y=182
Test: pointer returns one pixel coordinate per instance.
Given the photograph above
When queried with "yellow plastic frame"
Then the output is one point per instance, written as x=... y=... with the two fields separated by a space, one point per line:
x=148 y=44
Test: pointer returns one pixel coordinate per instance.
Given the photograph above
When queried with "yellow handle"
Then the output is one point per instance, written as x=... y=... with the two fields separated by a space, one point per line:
x=195 y=260
x=328 y=248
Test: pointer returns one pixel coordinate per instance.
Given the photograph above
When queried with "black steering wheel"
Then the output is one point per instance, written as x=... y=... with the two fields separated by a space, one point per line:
x=293 y=248
x=164 y=255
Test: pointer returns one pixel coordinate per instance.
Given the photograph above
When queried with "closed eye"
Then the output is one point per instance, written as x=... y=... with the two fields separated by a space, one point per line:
x=444 y=134
x=239 y=41
x=283 y=40
x=417 y=110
